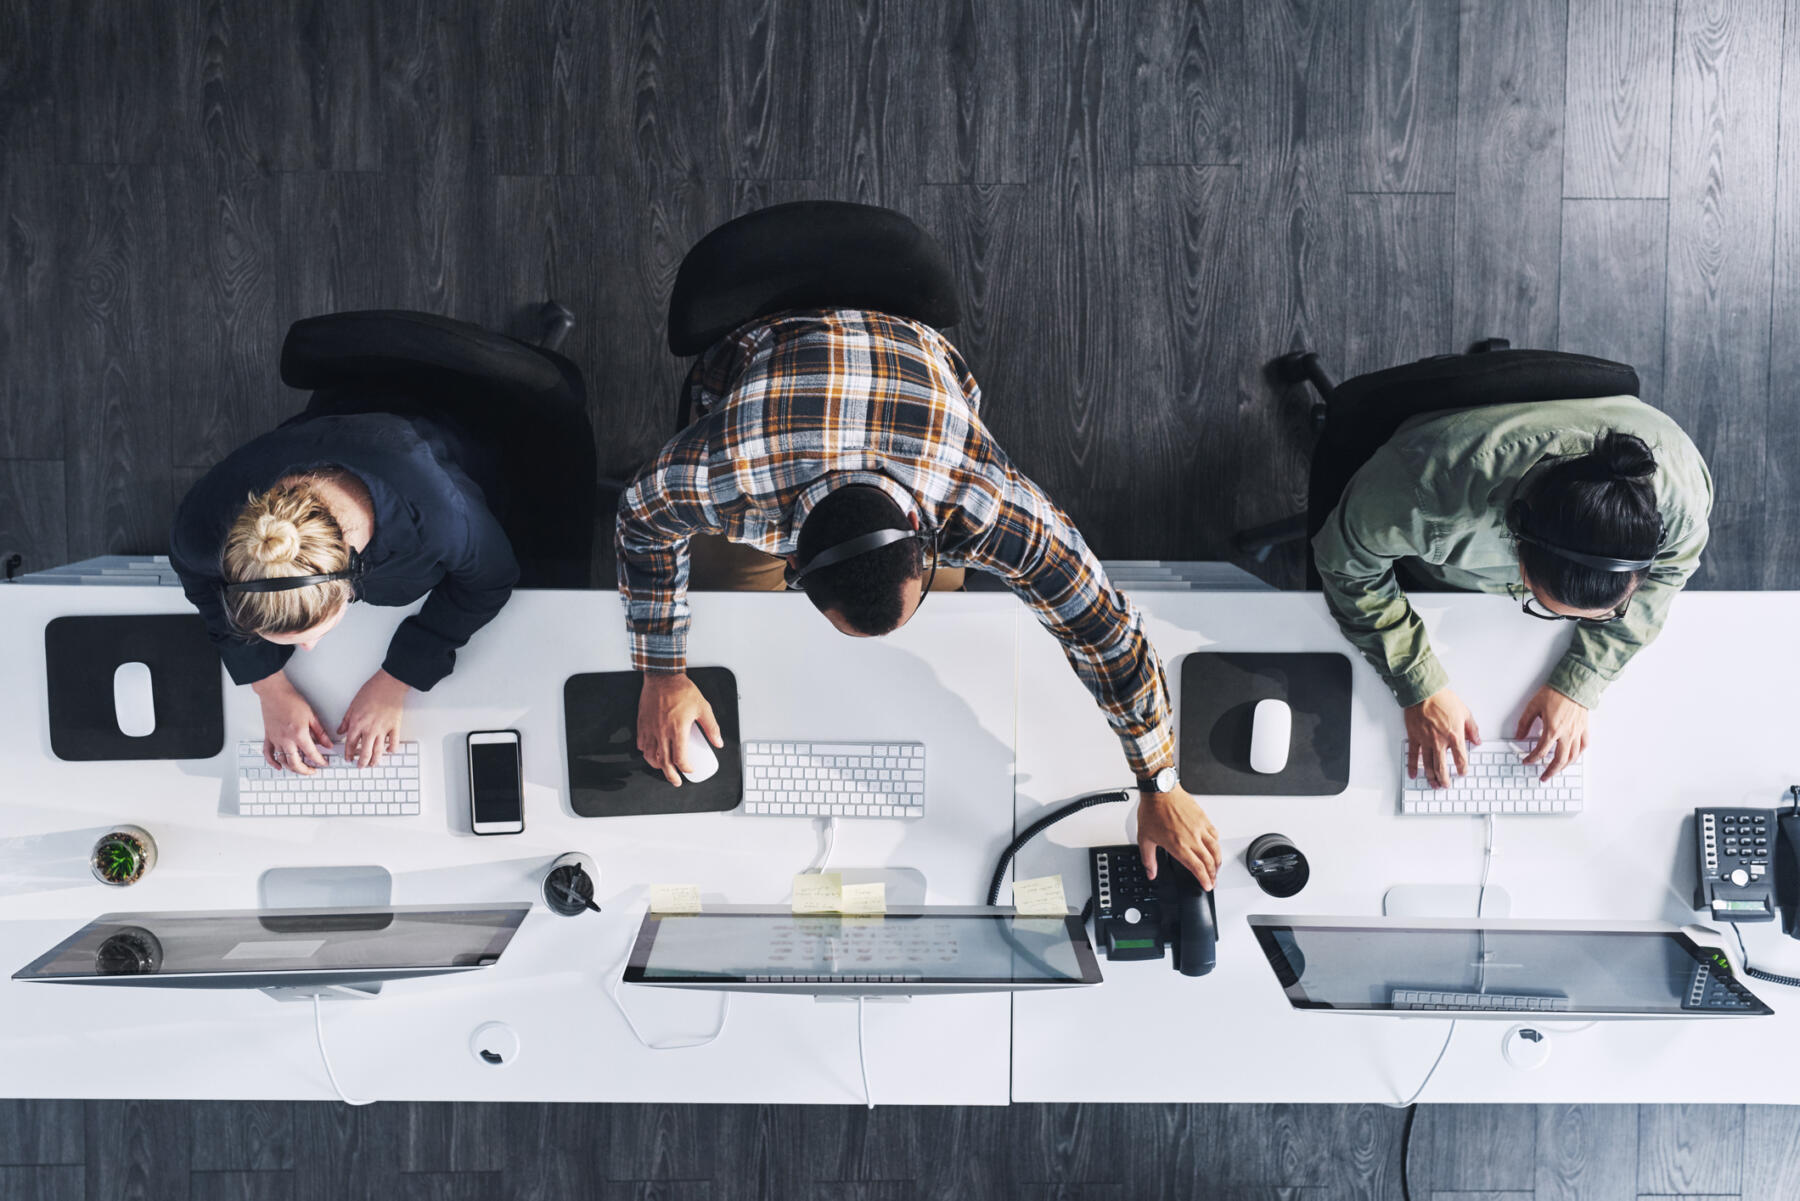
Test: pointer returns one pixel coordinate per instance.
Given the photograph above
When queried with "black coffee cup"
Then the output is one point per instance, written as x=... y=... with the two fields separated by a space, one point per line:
x=1277 y=865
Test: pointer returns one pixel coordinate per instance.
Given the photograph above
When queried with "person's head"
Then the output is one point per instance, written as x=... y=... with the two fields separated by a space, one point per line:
x=1602 y=503
x=287 y=531
x=872 y=593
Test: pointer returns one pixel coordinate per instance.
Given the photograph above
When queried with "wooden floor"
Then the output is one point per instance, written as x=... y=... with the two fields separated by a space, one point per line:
x=163 y=1151
x=1145 y=199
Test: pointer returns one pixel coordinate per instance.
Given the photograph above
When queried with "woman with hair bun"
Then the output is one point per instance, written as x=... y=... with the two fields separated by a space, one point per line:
x=1590 y=511
x=275 y=542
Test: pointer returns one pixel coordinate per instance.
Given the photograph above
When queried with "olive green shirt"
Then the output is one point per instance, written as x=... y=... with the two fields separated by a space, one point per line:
x=1436 y=494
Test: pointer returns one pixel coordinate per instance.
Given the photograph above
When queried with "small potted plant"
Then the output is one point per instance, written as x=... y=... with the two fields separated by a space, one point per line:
x=123 y=855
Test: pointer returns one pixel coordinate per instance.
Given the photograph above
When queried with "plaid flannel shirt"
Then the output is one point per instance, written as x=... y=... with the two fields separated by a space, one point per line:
x=784 y=403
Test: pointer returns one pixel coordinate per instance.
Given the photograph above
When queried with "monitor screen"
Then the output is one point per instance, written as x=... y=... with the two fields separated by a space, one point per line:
x=943 y=949
x=1493 y=968
x=254 y=948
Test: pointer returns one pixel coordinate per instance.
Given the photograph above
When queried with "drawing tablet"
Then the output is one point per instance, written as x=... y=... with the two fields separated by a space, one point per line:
x=607 y=775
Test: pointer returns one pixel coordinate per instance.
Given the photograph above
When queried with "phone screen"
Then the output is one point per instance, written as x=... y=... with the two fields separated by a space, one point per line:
x=494 y=782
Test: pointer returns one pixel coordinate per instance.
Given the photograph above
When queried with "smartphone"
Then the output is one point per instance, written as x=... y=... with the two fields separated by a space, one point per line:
x=496 y=783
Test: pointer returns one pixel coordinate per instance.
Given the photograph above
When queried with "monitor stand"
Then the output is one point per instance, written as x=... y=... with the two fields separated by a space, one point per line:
x=1445 y=900
x=356 y=886
x=325 y=992
x=905 y=886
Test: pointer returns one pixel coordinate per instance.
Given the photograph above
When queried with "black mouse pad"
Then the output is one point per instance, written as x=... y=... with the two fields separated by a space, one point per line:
x=80 y=656
x=1219 y=691
x=607 y=776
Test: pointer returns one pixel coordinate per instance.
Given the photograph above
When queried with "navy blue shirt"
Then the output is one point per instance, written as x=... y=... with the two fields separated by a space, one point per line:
x=434 y=533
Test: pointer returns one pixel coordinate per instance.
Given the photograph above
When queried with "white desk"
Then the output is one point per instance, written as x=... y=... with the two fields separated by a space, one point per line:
x=1668 y=737
x=947 y=679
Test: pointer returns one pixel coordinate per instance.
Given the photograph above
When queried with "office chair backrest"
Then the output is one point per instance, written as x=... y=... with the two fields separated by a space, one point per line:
x=1364 y=412
x=396 y=347
x=813 y=254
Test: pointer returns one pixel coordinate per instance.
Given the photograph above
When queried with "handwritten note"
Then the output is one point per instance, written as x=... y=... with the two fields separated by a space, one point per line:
x=864 y=898
x=674 y=898
x=818 y=892
x=1040 y=897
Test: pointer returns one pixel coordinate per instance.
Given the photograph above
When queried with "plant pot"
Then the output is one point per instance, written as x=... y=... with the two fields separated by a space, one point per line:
x=123 y=855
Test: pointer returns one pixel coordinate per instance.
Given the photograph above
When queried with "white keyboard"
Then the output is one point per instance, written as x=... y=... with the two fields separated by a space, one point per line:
x=1420 y=998
x=835 y=779
x=1498 y=782
x=339 y=789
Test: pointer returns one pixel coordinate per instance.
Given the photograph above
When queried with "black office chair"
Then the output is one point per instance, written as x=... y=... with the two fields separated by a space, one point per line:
x=812 y=254
x=1353 y=419
x=524 y=402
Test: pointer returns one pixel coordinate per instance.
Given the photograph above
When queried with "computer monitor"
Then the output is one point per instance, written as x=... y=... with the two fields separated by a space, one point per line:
x=1499 y=968
x=291 y=952
x=908 y=951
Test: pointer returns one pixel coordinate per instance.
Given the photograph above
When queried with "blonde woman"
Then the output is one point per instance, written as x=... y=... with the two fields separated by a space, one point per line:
x=275 y=542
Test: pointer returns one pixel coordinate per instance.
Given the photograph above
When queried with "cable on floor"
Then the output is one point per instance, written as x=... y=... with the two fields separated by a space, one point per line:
x=325 y=1057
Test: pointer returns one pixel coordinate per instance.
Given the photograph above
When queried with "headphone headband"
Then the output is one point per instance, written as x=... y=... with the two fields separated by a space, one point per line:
x=1520 y=512
x=287 y=583
x=862 y=544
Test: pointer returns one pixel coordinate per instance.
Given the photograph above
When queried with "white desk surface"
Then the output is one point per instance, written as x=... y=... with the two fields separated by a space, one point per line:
x=947 y=679
x=1706 y=715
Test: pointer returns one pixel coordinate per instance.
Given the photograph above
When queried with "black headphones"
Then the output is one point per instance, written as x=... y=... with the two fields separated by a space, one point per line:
x=354 y=572
x=1519 y=512
x=862 y=544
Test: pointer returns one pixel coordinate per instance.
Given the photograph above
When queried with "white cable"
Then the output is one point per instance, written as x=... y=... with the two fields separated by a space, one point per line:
x=862 y=1055
x=824 y=856
x=1487 y=864
x=618 y=978
x=325 y=1057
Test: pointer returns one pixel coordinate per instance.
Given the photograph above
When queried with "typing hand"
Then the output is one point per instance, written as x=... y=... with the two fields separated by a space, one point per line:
x=292 y=733
x=372 y=723
x=1564 y=727
x=1440 y=720
x=668 y=706
x=1175 y=822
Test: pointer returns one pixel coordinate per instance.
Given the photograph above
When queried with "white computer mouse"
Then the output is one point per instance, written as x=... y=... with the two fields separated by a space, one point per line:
x=133 y=706
x=1271 y=729
x=701 y=755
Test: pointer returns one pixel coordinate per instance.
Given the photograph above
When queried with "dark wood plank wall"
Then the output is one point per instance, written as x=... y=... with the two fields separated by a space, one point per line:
x=1145 y=201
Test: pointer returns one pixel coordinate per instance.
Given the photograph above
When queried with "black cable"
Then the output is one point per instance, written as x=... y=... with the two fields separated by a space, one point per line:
x=1412 y=1111
x=1038 y=827
x=1756 y=972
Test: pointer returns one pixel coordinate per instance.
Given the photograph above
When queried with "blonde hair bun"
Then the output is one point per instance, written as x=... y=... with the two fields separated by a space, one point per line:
x=276 y=540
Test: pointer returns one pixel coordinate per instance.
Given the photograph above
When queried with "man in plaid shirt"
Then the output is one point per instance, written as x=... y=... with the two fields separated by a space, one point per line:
x=816 y=426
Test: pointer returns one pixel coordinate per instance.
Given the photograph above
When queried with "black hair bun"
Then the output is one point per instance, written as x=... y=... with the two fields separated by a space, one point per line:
x=1625 y=456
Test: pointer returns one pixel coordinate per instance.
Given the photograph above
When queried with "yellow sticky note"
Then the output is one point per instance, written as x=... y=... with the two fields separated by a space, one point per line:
x=863 y=898
x=1049 y=926
x=818 y=892
x=674 y=898
x=1040 y=897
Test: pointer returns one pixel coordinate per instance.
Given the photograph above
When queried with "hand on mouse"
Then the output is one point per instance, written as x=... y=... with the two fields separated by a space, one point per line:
x=1440 y=720
x=669 y=704
x=1565 y=726
x=1175 y=822
x=292 y=732
x=371 y=724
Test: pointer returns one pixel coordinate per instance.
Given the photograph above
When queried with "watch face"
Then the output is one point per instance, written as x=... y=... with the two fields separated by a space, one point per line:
x=1164 y=780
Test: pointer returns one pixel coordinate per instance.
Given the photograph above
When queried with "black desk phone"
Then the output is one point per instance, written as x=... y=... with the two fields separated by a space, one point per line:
x=1137 y=919
x=1747 y=864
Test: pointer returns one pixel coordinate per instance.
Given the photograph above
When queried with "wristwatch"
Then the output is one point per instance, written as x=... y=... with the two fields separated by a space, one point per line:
x=1163 y=781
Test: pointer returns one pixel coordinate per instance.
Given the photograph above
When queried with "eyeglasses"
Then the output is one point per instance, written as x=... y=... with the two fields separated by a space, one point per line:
x=1534 y=608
